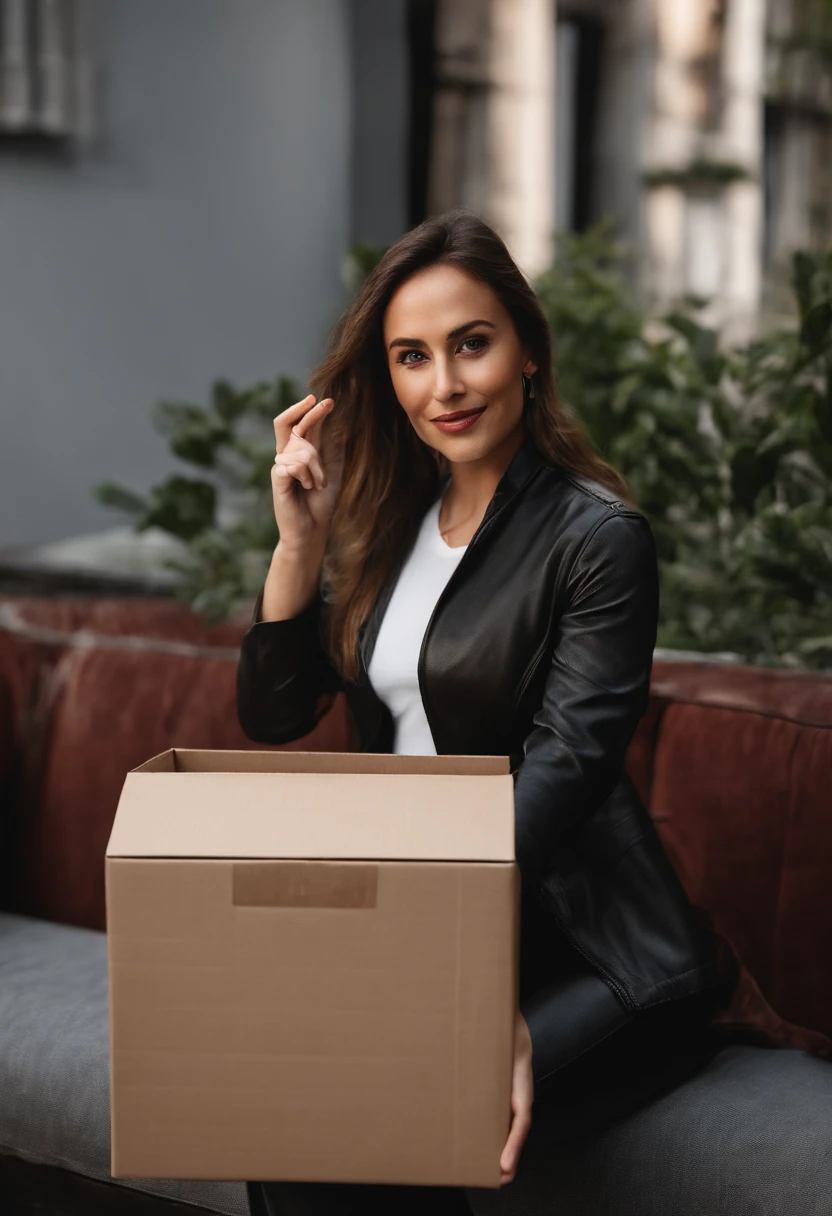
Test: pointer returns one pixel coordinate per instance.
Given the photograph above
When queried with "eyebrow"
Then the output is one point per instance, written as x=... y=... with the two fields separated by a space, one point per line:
x=455 y=333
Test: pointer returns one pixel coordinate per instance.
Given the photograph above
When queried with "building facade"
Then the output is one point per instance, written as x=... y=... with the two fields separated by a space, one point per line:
x=701 y=128
x=196 y=172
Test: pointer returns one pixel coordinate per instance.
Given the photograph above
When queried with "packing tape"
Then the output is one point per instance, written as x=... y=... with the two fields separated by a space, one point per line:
x=304 y=884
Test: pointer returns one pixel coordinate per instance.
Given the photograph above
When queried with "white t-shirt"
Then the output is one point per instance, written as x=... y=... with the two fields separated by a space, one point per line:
x=393 y=666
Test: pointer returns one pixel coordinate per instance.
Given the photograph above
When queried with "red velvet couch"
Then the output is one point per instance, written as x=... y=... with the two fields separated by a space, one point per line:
x=734 y=763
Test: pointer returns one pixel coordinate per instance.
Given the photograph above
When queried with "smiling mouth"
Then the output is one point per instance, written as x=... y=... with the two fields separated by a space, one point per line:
x=457 y=415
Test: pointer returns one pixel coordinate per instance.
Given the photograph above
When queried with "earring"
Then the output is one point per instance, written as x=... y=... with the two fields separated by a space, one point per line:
x=528 y=380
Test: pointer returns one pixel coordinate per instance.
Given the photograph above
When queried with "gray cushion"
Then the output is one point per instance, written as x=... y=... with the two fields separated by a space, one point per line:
x=55 y=1058
x=750 y=1134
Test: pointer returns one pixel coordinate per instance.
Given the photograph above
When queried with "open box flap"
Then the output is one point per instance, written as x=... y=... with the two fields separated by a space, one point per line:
x=317 y=805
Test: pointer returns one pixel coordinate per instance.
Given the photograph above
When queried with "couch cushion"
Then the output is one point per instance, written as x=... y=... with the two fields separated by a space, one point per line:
x=90 y=700
x=748 y=1135
x=740 y=795
x=720 y=799
x=55 y=1058
x=48 y=619
x=804 y=697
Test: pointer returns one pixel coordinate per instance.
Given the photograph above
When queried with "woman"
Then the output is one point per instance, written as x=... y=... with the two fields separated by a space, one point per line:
x=455 y=557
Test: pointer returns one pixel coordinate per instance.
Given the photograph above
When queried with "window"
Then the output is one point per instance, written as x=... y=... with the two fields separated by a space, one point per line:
x=44 y=73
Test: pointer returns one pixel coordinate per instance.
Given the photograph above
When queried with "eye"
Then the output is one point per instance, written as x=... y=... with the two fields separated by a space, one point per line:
x=477 y=338
x=403 y=357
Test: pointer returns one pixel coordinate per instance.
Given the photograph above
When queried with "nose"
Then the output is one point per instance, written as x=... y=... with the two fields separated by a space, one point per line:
x=446 y=383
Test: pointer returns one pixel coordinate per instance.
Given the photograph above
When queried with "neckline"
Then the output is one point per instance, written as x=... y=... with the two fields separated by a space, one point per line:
x=523 y=464
x=439 y=539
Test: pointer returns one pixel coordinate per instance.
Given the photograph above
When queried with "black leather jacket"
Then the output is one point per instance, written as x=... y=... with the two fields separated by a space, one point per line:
x=539 y=648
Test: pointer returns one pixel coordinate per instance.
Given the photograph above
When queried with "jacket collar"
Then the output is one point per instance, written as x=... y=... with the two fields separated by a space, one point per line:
x=525 y=461
x=522 y=465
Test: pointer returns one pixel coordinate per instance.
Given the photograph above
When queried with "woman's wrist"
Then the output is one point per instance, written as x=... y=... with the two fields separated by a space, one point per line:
x=291 y=584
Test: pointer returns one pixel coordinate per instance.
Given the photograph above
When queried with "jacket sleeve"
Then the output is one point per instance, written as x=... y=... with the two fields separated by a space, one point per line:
x=596 y=688
x=285 y=680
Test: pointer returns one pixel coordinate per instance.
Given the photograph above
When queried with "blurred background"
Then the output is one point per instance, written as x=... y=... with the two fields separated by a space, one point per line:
x=190 y=190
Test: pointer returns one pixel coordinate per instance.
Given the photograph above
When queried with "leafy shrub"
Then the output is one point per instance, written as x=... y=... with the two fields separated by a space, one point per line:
x=231 y=442
x=728 y=452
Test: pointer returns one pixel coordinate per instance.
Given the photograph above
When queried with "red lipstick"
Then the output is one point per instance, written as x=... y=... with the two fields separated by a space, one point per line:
x=460 y=420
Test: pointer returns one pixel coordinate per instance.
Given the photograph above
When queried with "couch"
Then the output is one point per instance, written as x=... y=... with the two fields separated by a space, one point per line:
x=735 y=765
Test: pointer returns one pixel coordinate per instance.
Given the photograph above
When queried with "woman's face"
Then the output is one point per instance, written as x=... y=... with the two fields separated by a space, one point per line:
x=451 y=346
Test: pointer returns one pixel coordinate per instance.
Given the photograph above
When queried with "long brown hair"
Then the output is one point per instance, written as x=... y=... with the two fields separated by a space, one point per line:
x=390 y=475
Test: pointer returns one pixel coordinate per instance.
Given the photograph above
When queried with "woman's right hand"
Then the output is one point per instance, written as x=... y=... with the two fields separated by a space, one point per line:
x=304 y=484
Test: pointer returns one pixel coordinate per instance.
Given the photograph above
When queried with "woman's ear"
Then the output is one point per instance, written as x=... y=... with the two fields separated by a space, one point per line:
x=529 y=368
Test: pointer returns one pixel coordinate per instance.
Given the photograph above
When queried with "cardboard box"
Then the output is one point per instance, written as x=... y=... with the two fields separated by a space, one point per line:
x=313 y=967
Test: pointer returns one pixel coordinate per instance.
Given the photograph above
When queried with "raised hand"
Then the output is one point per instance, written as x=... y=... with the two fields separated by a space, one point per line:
x=304 y=483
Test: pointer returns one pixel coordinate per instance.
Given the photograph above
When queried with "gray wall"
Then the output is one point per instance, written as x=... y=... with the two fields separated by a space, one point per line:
x=203 y=238
x=380 y=141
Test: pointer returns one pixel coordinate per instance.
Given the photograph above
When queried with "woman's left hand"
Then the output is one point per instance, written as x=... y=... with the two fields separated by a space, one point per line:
x=522 y=1097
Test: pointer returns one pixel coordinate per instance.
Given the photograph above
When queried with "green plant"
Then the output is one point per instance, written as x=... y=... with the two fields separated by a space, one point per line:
x=638 y=392
x=231 y=443
x=728 y=452
x=699 y=172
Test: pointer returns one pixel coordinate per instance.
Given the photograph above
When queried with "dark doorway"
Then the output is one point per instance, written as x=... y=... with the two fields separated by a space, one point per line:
x=421 y=39
x=581 y=43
